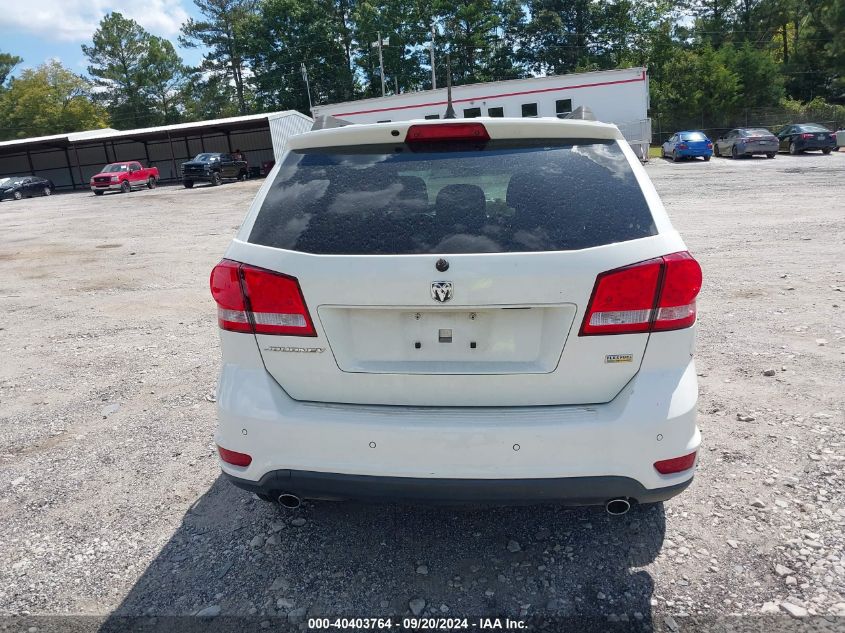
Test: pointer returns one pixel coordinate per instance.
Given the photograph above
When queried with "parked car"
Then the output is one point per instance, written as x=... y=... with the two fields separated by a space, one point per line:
x=744 y=141
x=213 y=167
x=688 y=144
x=418 y=310
x=803 y=137
x=124 y=177
x=17 y=187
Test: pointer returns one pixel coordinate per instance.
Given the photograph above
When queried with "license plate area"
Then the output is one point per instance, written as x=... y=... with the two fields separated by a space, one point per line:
x=488 y=340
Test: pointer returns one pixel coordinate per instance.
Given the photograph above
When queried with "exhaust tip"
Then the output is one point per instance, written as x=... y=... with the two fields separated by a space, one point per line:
x=617 y=507
x=289 y=501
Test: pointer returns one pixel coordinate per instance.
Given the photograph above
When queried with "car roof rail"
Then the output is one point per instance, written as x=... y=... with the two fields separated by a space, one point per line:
x=583 y=113
x=328 y=122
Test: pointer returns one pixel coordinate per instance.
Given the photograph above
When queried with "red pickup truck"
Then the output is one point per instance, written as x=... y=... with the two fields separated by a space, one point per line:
x=124 y=177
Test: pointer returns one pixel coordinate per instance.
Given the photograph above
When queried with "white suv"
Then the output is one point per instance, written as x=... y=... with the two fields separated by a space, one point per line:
x=494 y=311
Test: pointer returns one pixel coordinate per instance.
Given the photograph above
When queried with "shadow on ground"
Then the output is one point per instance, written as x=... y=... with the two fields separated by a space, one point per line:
x=249 y=559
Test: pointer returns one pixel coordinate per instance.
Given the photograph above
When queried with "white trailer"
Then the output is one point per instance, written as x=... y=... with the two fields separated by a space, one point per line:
x=614 y=96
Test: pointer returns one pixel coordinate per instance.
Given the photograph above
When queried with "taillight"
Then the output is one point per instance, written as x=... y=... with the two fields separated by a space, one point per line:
x=678 y=290
x=447 y=132
x=675 y=465
x=654 y=295
x=709 y=145
x=233 y=457
x=683 y=146
x=260 y=301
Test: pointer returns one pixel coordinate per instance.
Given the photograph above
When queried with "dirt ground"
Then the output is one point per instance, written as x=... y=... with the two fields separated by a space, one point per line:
x=111 y=501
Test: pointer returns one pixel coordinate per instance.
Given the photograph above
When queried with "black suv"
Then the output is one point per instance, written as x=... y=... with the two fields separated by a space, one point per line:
x=213 y=167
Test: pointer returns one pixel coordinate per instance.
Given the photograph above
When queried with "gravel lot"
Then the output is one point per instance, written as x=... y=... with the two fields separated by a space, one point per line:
x=110 y=495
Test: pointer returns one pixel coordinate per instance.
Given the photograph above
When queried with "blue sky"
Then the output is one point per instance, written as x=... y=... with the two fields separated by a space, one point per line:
x=39 y=30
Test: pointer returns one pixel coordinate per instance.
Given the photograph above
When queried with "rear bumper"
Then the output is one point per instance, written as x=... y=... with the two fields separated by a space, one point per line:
x=568 y=454
x=815 y=145
x=694 y=152
x=574 y=491
x=750 y=150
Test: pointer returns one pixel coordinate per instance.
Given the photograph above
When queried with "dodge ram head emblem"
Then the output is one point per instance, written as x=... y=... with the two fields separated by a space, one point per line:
x=441 y=291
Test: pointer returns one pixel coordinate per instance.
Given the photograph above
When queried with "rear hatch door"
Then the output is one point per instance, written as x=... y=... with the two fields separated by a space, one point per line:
x=452 y=275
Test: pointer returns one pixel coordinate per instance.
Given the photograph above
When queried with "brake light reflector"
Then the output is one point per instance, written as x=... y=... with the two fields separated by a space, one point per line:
x=447 y=132
x=654 y=295
x=226 y=289
x=251 y=299
x=680 y=287
x=675 y=465
x=233 y=457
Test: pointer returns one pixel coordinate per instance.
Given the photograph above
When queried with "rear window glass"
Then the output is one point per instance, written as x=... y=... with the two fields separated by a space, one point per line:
x=692 y=136
x=502 y=197
x=757 y=131
x=812 y=128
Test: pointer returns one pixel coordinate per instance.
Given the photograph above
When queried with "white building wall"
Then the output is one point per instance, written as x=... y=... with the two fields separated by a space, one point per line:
x=614 y=96
x=284 y=126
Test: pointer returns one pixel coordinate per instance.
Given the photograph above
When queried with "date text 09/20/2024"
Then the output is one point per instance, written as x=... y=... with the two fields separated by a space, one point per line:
x=416 y=624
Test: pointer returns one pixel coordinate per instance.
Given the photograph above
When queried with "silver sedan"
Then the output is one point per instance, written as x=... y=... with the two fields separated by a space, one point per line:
x=747 y=142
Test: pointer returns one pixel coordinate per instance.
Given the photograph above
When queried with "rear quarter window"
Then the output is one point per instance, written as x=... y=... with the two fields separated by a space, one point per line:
x=501 y=197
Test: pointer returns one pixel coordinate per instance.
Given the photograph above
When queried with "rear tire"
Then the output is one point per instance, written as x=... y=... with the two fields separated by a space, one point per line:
x=243 y=176
x=675 y=157
x=151 y=183
x=188 y=183
x=770 y=155
x=48 y=191
x=826 y=151
x=716 y=151
x=98 y=192
x=793 y=149
x=17 y=195
x=215 y=179
x=734 y=153
x=125 y=187
x=706 y=158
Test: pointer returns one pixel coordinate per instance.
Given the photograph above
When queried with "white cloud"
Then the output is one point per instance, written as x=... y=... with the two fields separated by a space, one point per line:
x=76 y=20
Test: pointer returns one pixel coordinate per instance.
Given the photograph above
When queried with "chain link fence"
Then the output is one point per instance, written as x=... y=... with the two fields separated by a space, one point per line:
x=773 y=119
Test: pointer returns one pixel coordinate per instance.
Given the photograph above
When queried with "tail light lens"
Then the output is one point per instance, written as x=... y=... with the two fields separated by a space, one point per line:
x=233 y=457
x=709 y=145
x=683 y=146
x=259 y=301
x=654 y=295
x=680 y=286
x=675 y=465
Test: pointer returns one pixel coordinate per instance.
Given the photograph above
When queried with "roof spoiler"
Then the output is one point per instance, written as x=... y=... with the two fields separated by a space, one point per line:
x=582 y=113
x=328 y=122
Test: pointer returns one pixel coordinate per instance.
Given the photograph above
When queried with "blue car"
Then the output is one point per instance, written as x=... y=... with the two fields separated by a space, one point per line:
x=689 y=144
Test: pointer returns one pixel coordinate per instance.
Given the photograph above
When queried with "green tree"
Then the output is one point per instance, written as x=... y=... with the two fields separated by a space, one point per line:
x=165 y=76
x=207 y=98
x=697 y=90
x=285 y=34
x=47 y=100
x=7 y=65
x=760 y=83
x=222 y=31
x=118 y=57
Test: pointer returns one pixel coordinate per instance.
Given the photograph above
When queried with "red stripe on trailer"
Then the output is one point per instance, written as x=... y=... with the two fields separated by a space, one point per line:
x=506 y=94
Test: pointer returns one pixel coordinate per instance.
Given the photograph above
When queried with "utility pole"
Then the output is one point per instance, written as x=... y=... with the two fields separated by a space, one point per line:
x=433 y=75
x=307 y=86
x=381 y=58
x=450 y=111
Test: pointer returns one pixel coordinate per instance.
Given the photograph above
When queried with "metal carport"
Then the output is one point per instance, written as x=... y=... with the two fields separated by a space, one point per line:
x=69 y=160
